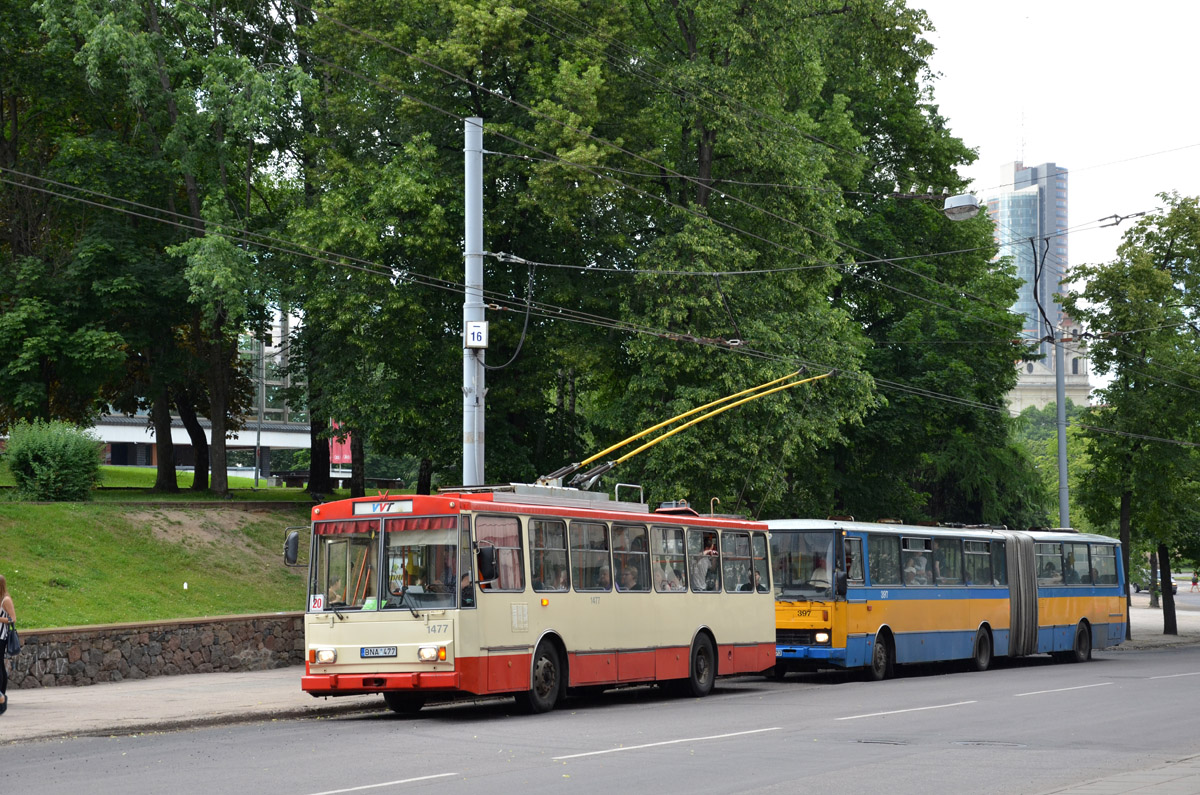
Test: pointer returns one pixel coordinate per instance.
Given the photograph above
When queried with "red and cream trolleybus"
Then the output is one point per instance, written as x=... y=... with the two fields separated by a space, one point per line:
x=529 y=590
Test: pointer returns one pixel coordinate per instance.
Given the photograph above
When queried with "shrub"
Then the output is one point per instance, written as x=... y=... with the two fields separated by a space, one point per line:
x=52 y=461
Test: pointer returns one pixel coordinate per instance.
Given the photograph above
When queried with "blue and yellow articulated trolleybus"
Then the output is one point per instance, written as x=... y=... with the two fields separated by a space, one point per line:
x=863 y=595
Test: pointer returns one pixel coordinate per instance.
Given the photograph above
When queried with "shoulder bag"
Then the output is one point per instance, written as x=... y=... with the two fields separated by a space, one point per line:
x=14 y=643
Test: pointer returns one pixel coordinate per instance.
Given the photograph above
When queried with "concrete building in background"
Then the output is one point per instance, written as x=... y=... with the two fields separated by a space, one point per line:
x=1030 y=215
x=272 y=424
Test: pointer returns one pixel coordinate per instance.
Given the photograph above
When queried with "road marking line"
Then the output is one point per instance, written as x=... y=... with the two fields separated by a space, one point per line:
x=898 y=711
x=384 y=784
x=1173 y=676
x=667 y=742
x=1063 y=689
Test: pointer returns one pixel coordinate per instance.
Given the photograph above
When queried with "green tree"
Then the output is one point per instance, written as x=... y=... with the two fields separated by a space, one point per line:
x=1140 y=310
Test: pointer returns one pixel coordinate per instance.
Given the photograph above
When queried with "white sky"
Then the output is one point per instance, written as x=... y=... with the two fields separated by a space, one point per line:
x=1105 y=89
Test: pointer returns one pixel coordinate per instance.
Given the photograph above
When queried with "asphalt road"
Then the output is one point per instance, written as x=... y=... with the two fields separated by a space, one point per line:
x=1028 y=726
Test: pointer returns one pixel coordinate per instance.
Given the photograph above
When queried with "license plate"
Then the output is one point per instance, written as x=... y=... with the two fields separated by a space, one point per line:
x=378 y=651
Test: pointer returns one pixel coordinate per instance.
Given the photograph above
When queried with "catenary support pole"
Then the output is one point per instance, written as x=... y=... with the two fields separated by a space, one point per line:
x=1060 y=397
x=473 y=372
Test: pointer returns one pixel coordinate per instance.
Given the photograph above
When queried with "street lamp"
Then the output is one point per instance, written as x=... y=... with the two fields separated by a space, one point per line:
x=961 y=207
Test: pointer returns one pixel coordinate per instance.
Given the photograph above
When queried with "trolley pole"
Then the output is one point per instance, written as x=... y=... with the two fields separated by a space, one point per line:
x=474 y=325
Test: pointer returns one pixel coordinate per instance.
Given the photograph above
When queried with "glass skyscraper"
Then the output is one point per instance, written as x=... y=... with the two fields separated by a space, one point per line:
x=1030 y=214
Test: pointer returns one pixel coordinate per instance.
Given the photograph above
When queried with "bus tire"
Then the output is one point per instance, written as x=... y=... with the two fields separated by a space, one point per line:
x=981 y=658
x=1082 y=651
x=702 y=672
x=882 y=664
x=404 y=703
x=779 y=672
x=546 y=681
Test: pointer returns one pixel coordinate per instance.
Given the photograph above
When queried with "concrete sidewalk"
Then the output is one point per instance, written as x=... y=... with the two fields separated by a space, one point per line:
x=177 y=702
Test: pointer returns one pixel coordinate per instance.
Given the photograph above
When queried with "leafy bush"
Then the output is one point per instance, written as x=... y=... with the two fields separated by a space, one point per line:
x=52 y=461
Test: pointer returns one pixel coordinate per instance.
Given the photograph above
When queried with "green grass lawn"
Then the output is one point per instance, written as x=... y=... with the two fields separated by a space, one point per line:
x=79 y=563
x=123 y=483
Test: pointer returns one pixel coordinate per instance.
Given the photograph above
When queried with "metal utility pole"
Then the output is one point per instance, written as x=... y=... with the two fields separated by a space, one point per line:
x=1060 y=384
x=474 y=326
x=262 y=393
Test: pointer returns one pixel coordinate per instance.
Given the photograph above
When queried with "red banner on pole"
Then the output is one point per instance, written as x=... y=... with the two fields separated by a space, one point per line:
x=339 y=452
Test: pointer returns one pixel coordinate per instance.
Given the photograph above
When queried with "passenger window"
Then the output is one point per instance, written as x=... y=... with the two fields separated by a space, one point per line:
x=978 y=562
x=854 y=565
x=947 y=561
x=885 y=560
x=590 y=568
x=1077 y=570
x=631 y=557
x=917 y=568
x=503 y=533
x=704 y=560
x=1104 y=561
x=999 y=563
x=762 y=581
x=669 y=565
x=548 y=544
x=735 y=557
x=1049 y=564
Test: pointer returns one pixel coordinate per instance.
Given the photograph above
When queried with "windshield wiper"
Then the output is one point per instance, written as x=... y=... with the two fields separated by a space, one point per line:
x=403 y=603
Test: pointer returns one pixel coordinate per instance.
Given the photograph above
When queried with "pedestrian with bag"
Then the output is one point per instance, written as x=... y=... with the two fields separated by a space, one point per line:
x=8 y=638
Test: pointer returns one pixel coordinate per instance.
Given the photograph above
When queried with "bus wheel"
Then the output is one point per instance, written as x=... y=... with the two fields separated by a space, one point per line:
x=881 y=660
x=779 y=672
x=547 y=680
x=1082 y=652
x=703 y=670
x=404 y=703
x=981 y=660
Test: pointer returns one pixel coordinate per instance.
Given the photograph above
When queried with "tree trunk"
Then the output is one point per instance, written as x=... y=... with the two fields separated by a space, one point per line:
x=218 y=401
x=425 y=476
x=1126 y=502
x=319 y=481
x=1153 y=584
x=1170 y=622
x=358 y=466
x=195 y=432
x=160 y=414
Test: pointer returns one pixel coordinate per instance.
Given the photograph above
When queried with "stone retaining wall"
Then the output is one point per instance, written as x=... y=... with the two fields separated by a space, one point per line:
x=113 y=652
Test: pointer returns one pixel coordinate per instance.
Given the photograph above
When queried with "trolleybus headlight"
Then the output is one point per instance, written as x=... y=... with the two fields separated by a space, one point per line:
x=326 y=656
x=822 y=637
x=431 y=653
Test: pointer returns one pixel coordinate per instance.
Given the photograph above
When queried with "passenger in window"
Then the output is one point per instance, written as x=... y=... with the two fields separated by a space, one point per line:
x=1072 y=576
x=910 y=574
x=939 y=557
x=604 y=578
x=561 y=581
x=920 y=564
x=675 y=580
x=756 y=584
x=629 y=579
x=468 y=592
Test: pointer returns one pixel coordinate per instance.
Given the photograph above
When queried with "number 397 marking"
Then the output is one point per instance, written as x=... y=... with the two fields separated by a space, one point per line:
x=438 y=629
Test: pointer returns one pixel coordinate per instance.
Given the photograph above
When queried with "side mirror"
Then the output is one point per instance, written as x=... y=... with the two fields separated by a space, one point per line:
x=485 y=559
x=839 y=582
x=291 y=548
